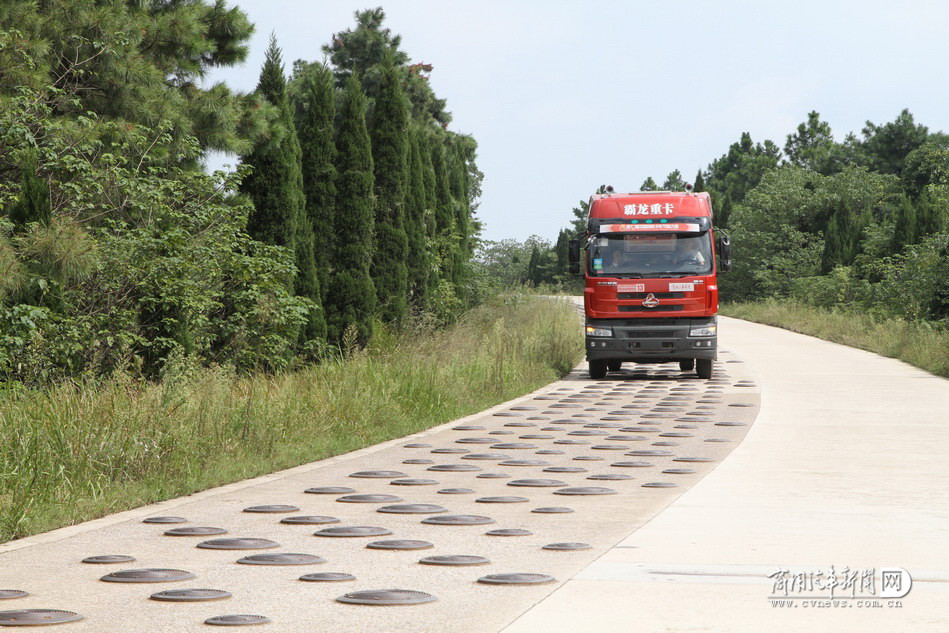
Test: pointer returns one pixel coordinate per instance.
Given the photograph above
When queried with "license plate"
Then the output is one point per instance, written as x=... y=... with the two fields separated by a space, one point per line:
x=631 y=288
x=681 y=287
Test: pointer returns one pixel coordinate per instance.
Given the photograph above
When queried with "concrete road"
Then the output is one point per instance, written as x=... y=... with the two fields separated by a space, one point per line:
x=844 y=466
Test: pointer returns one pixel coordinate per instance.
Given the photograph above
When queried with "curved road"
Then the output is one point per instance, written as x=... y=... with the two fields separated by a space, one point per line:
x=843 y=466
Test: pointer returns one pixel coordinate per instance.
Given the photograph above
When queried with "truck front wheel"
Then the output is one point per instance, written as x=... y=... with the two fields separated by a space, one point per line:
x=687 y=365
x=614 y=365
x=703 y=367
x=598 y=369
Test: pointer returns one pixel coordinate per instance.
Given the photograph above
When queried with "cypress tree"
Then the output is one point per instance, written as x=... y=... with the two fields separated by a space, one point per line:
x=33 y=203
x=562 y=251
x=906 y=229
x=389 y=138
x=350 y=300
x=276 y=188
x=699 y=184
x=532 y=267
x=315 y=112
x=444 y=215
x=418 y=260
x=431 y=201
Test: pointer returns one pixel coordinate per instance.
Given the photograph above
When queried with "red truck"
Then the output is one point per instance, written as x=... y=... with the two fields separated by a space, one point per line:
x=650 y=287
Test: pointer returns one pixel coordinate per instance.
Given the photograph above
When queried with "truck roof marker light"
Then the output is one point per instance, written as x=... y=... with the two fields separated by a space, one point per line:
x=648 y=221
x=663 y=221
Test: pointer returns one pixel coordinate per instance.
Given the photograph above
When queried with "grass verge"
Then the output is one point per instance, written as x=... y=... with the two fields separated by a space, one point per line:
x=925 y=345
x=77 y=452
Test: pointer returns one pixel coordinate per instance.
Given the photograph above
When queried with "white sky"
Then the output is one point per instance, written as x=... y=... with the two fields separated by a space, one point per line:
x=565 y=96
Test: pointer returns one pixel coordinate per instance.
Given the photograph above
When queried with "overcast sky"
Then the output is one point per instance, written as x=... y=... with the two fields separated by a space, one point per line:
x=564 y=96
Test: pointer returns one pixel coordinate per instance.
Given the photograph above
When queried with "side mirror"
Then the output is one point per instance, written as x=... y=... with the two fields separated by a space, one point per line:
x=573 y=256
x=724 y=253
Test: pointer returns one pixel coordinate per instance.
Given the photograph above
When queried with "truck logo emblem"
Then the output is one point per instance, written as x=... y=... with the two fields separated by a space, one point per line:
x=650 y=301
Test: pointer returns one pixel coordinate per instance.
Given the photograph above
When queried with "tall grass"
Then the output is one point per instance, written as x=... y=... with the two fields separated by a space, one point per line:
x=920 y=343
x=77 y=452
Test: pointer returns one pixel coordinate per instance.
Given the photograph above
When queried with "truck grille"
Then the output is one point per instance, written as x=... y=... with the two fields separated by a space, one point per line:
x=643 y=295
x=658 y=308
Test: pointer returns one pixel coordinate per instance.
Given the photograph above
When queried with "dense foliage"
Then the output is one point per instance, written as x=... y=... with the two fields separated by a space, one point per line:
x=117 y=252
x=862 y=223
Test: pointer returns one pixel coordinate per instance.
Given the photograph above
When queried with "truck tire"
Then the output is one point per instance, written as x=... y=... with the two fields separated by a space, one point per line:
x=597 y=369
x=687 y=365
x=614 y=365
x=703 y=367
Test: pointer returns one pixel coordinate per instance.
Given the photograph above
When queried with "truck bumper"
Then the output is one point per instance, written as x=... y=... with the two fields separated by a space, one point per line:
x=652 y=341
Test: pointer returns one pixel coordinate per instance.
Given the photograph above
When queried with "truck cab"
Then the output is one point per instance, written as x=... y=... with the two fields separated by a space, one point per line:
x=650 y=266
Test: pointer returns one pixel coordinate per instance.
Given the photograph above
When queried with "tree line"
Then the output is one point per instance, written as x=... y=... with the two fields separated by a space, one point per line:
x=353 y=204
x=861 y=222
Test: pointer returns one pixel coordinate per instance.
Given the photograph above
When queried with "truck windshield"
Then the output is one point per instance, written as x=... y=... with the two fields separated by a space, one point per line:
x=648 y=255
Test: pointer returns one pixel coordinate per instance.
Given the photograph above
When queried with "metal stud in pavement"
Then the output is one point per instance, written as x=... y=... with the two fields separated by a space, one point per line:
x=493 y=476
x=523 y=462
x=516 y=579
x=610 y=477
x=378 y=474
x=309 y=520
x=588 y=458
x=281 y=559
x=649 y=453
x=565 y=469
x=455 y=560
x=327 y=576
x=416 y=445
x=329 y=490
x=272 y=508
x=537 y=483
x=165 y=520
x=148 y=575
x=190 y=595
x=400 y=544
x=455 y=491
x=659 y=484
x=631 y=464
x=451 y=451
x=418 y=461
x=678 y=471
x=238 y=543
x=585 y=490
x=693 y=459
x=108 y=559
x=195 y=531
x=37 y=617
x=454 y=468
x=468 y=427
x=412 y=508
x=369 y=499
x=509 y=532
x=474 y=440
x=501 y=499
x=552 y=510
x=458 y=519
x=413 y=482
x=242 y=619
x=10 y=594
x=353 y=531
x=567 y=547
x=387 y=597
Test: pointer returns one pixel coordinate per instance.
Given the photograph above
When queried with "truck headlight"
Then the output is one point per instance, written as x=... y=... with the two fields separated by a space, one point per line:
x=705 y=330
x=599 y=331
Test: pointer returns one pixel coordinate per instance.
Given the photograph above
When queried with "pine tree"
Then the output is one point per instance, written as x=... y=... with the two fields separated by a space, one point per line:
x=418 y=260
x=389 y=138
x=674 y=182
x=276 y=188
x=33 y=203
x=350 y=301
x=649 y=185
x=314 y=97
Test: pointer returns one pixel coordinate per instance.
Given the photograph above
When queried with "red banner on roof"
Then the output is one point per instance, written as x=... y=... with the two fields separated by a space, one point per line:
x=636 y=228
